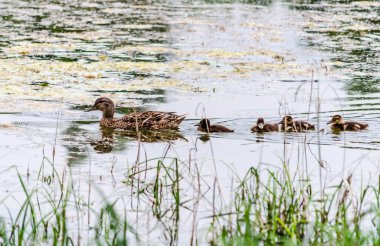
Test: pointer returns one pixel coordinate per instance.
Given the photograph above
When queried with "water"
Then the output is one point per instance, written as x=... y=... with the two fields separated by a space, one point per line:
x=231 y=61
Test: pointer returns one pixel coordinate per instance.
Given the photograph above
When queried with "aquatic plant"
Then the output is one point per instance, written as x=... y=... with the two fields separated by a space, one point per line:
x=267 y=206
x=285 y=209
x=54 y=213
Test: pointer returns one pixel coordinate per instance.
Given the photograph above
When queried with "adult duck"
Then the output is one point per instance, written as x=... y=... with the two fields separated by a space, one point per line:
x=148 y=120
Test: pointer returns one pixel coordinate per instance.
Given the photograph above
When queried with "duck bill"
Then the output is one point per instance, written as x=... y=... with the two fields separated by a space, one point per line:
x=197 y=124
x=330 y=122
x=92 y=108
x=261 y=126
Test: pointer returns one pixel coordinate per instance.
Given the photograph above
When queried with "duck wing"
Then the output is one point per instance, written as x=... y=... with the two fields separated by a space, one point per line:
x=303 y=125
x=154 y=120
x=355 y=126
x=270 y=128
x=255 y=129
x=219 y=128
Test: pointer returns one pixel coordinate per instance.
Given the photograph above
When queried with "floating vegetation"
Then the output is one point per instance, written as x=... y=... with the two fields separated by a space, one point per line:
x=348 y=37
x=40 y=83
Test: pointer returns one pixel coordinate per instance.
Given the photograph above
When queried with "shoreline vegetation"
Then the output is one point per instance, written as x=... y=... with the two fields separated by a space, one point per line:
x=268 y=205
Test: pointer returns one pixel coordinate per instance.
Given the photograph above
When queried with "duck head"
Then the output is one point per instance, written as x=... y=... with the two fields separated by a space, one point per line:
x=287 y=120
x=336 y=119
x=105 y=105
x=204 y=123
x=260 y=123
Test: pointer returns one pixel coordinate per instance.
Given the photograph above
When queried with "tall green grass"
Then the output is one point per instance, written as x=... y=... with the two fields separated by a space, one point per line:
x=52 y=213
x=283 y=209
x=267 y=206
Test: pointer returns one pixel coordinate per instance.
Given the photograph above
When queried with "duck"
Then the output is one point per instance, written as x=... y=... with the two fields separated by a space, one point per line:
x=289 y=125
x=339 y=124
x=262 y=127
x=148 y=120
x=205 y=126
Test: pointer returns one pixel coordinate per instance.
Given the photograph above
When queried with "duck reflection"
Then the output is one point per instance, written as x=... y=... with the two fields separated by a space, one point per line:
x=153 y=136
x=106 y=142
x=204 y=138
x=110 y=137
x=260 y=137
x=76 y=139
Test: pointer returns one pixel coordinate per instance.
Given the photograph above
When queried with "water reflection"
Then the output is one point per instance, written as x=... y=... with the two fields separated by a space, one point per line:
x=105 y=144
x=260 y=137
x=152 y=136
x=77 y=139
x=204 y=138
x=74 y=140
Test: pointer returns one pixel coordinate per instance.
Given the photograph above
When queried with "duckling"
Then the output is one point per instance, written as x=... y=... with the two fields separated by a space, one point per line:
x=261 y=127
x=339 y=124
x=205 y=126
x=289 y=125
x=149 y=120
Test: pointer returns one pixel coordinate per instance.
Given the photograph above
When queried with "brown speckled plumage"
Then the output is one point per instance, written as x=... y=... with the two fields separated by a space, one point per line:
x=262 y=127
x=339 y=124
x=290 y=125
x=149 y=120
x=205 y=126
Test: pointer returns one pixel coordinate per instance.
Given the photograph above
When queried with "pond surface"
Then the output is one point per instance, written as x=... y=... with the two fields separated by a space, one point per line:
x=229 y=61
